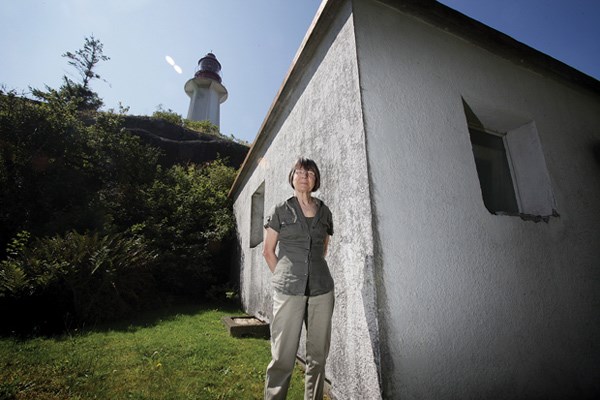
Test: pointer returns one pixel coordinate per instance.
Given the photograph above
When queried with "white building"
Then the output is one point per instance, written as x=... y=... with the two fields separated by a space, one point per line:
x=206 y=91
x=459 y=167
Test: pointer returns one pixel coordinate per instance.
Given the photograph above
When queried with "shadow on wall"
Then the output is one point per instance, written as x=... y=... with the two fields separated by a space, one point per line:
x=596 y=150
x=236 y=258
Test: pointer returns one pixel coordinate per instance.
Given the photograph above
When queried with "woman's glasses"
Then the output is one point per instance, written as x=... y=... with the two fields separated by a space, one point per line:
x=306 y=174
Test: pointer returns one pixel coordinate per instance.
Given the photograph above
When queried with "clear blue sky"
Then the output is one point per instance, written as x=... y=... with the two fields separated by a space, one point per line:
x=255 y=41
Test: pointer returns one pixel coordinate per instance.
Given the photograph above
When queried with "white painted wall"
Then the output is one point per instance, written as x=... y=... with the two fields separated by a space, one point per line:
x=320 y=117
x=206 y=96
x=475 y=305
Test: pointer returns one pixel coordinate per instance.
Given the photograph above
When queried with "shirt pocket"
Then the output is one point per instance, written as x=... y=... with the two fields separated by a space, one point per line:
x=319 y=230
x=291 y=229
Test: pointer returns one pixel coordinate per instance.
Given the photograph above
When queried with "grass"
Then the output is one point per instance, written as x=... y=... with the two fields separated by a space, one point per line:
x=181 y=353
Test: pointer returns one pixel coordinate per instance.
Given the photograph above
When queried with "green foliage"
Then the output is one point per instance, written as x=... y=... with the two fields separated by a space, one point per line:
x=18 y=244
x=188 y=218
x=168 y=115
x=65 y=171
x=86 y=59
x=59 y=174
x=85 y=62
x=123 y=167
x=203 y=126
x=99 y=178
x=13 y=279
x=171 y=116
x=42 y=165
x=70 y=92
x=87 y=277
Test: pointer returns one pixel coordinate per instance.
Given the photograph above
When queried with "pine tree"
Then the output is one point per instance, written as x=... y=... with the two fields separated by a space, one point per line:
x=85 y=62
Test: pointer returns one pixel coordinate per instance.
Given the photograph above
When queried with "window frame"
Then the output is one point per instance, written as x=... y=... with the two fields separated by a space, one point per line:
x=257 y=216
x=507 y=159
x=524 y=154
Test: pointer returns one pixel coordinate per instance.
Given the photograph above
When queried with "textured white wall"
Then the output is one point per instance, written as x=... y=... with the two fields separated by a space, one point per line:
x=474 y=305
x=322 y=119
x=206 y=96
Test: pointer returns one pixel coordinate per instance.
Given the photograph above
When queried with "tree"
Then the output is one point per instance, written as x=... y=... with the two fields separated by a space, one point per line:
x=85 y=62
x=88 y=221
x=188 y=217
x=41 y=165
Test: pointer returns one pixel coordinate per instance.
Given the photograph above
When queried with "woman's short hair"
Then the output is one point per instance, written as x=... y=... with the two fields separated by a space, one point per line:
x=307 y=165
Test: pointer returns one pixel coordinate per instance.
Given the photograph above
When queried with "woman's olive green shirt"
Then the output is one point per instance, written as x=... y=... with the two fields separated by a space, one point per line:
x=301 y=261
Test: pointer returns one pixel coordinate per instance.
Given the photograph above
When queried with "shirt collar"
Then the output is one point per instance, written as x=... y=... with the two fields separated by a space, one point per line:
x=295 y=204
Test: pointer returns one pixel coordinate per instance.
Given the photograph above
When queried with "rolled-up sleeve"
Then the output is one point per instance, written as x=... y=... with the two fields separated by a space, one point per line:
x=272 y=220
x=329 y=223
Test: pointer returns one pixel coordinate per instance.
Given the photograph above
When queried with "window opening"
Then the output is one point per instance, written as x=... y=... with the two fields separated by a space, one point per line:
x=493 y=170
x=257 y=215
x=510 y=163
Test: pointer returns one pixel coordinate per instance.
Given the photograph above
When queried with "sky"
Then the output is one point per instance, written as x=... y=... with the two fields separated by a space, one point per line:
x=254 y=40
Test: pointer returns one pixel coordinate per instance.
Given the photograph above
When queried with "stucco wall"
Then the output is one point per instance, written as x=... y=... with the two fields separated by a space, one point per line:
x=321 y=118
x=475 y=305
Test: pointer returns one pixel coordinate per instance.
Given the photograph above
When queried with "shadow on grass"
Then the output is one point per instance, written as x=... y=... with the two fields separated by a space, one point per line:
x=163 y=314
x=144 y=319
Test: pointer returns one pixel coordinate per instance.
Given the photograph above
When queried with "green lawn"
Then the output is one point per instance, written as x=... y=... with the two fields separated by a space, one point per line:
x=181 y=353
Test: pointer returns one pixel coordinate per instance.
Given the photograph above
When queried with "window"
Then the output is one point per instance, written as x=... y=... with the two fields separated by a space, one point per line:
x=257 y=216
x=493 y=170
x=510 y=163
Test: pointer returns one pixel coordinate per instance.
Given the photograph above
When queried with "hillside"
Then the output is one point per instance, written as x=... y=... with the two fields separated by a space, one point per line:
x=181 y=145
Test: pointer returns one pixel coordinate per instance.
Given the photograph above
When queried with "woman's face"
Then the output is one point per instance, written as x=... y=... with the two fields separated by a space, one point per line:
x=304 y=181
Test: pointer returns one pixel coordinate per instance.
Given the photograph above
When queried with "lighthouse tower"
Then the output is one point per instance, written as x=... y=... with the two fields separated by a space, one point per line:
x=206 y=91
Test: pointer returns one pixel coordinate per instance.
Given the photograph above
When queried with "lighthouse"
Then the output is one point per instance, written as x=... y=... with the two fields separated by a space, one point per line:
x=206 y=91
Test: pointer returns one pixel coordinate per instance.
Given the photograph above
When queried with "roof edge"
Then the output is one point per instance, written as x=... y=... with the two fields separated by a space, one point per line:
x=439 y=15
x=488 y=38
x=325 y=9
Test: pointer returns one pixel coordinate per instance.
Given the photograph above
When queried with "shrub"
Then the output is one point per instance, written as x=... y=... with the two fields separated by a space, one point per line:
x=61 y=176
x=12 y=277
x=124 y=167
x=79 y=278
x=41 y=163
x=67 y=168
x=168 y=115
x=58 y=174
x=203 y=126
x=171 y=116
x=188 y=217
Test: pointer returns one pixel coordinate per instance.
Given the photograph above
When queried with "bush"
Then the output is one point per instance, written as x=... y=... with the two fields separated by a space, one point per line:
x=13 y=279
x=77 y=278
x=42 y=172
x=171 y=116
x=58 y=174
x=203 y=126
x=124 y=167
x=61 y=176
x=188 y=217
x=168 y=115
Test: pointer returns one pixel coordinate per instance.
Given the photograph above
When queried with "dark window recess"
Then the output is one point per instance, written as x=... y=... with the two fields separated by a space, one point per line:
x=257 y=214
x=495 y=178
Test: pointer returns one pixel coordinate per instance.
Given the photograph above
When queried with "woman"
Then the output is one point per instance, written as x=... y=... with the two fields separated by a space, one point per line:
x=303 y=285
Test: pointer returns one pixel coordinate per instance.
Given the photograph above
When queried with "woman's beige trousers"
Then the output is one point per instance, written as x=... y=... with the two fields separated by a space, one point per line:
x=289 y=312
